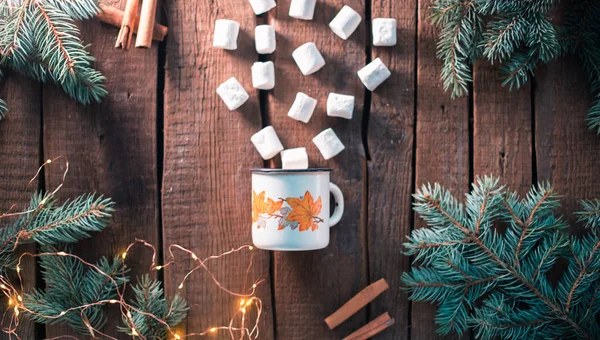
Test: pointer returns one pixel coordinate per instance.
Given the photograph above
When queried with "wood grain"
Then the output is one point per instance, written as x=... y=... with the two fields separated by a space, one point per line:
x=567 y=152
x=309 y=286
x=390 y=182
x=111 y=148
x=208 y=157
x=442 y=151
x=502 y=135
x=20 y=154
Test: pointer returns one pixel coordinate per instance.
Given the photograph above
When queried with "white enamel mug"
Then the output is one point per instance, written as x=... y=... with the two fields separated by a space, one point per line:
x=290 y=208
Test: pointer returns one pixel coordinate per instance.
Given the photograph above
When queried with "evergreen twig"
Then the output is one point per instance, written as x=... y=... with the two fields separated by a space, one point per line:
x=518 y=36
x=39 y=38
x=497 y=281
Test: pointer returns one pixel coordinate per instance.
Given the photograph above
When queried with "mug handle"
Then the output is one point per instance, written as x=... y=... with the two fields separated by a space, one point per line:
x=339 y=204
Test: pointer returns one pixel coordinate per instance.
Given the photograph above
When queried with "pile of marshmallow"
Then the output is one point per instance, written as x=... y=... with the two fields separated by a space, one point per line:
x=309 y=60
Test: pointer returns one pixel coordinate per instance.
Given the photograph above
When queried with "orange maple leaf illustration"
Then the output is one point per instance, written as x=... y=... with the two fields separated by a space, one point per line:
x=259 y=206
x=305 y=211
x=274 y=206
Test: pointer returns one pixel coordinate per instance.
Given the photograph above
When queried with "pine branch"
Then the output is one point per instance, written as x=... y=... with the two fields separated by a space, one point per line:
x=149 y=298
x=504 y=268
x=503 y=37
x=457 y=46
x=519 y=36
x=68 y=286
x=40 y=39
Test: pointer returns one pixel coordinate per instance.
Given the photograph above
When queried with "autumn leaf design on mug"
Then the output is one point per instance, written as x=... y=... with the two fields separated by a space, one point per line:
x=299 y=213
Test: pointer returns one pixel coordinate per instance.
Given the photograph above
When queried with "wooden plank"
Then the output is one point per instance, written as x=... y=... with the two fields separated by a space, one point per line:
x=20 y=153
x=309 y=286
x=502 y=135
x=391 y=142
x=567 y=152
x=208 y=155
x=111 y=148
x=442 y=151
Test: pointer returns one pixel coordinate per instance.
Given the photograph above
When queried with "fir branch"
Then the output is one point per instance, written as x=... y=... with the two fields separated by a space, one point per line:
x=457 y=44
x=503 y=37
x=77 y=9
x=149 y=300
x=519 y=36
x=68 y=286
x=504 y=268
x=40 y=39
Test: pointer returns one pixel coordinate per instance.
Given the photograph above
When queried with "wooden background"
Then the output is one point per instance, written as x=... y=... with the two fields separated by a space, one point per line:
x=176 y=161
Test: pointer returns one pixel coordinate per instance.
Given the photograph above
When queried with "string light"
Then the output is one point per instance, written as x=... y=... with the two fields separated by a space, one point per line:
x=158 y=267
x=242 y=302
x=124 y=255
x=134 y=332
x=176 y=336
x=214 y=329
x=61 y=253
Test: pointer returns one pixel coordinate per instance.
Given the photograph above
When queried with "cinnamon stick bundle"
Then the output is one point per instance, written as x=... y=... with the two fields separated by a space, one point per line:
x=356 y=303
x=147 y=16
x=372 y=328
x=129 y=20
x=114 y=17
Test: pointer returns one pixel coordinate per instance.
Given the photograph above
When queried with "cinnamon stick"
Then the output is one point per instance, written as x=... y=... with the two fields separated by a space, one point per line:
x=147 y=15
x=356 y=303
x=129 y=20
x=372 y=328
x=114 y=17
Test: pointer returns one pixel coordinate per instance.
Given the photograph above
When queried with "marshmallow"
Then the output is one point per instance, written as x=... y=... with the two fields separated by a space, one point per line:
x=374 y=74
x=302 y=9
x=302 y=108
x=308 y=58
x=294 y=159
x=263 y=75
x=226 y=33
x=345 y=22
x=384 y=32
x=328 y=143
x=264 y=39
x=232 y=93
x=262 y=6
x=267 y=143
x=340 y=105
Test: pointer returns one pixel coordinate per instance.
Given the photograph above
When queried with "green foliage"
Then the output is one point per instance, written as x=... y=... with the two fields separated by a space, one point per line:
x=517 y=36
x=76 y=293
x=47 y=224
x=39 y=38
x=149 y=299
x=70 y=284
x=491 y=265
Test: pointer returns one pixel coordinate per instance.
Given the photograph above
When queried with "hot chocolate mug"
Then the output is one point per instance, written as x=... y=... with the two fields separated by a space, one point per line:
x=290 y=208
